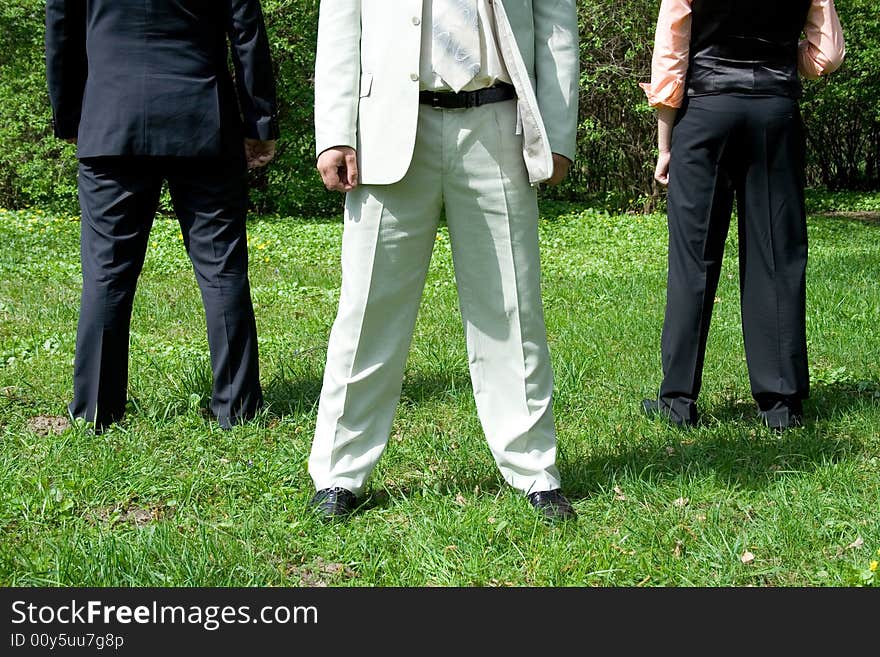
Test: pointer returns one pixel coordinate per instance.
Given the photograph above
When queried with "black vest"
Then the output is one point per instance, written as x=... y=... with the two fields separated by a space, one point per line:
x=746 y=46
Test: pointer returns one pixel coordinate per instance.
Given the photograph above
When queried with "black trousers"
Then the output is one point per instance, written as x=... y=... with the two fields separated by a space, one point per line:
x=119 y=197
x=751 y=149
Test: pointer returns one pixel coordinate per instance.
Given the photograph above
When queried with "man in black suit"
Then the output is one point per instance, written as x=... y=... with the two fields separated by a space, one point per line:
x=144 y=89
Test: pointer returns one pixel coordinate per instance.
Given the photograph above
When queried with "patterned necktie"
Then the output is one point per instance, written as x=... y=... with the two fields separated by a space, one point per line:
x=456 y=55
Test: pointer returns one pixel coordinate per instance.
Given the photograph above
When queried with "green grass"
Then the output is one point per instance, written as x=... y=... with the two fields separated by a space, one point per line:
x=168 y=499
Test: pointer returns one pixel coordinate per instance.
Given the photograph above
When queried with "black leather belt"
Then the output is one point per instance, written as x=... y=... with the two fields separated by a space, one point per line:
x=466 y=99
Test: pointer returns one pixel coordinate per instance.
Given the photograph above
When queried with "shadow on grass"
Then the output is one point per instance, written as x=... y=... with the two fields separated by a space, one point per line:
x=826 y=400
x=733 y=445
x=841 y=397
x=488 y=483
x=420 y=387
x=863 y=217
x=286 y=395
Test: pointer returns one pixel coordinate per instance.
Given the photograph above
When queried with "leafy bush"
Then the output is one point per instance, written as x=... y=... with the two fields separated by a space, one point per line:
x=616 y=133
x=842 y=112
x=291 y=185
x=617 y=128
x=35 y=168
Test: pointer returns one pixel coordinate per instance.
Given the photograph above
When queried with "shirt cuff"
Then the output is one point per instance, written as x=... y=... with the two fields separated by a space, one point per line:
x=264 y=129
x=669 y=94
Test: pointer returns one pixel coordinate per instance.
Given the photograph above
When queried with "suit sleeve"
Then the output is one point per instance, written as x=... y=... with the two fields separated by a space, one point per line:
x=66 y=63
x=337 y=74
x=254 y=75
x=557 y=68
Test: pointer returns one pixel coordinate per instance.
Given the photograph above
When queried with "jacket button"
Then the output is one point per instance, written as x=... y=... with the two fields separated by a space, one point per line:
x=416 y=20
x=414 y=77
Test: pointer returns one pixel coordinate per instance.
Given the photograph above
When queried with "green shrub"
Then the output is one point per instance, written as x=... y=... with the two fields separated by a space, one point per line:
x=616 y=134
x=291 y=185
x=35 y=168
x=842 y=112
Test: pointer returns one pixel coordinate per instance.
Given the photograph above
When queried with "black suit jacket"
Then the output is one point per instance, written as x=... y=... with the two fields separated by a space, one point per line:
x=151 y=77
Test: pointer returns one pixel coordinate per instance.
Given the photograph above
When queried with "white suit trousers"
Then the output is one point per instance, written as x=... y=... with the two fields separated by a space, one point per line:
x=470 y=162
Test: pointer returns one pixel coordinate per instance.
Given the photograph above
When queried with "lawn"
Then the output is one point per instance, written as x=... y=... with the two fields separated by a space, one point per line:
x=167 y=498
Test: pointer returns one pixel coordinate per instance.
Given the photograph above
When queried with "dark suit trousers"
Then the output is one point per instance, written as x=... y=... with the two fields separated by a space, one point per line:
x=119 y=197
x=751 y=149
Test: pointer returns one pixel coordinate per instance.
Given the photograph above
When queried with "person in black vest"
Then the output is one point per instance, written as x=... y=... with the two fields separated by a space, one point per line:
x=725 y=80
x=144 y=89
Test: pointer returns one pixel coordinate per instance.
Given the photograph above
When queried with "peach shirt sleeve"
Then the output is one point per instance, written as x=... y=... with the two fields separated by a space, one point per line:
x=669 y=62
x=823 y=50
x=820 y=53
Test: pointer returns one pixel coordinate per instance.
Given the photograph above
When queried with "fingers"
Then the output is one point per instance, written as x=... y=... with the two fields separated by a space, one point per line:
x=259 y=160
x=339 y=169
x=330 y=176
x=661 y=171
x=258 y=153
x=351 y=167
x=555 y=179
x=263 y=158
x=332 y=169
x=661 y=174
x=561 y=165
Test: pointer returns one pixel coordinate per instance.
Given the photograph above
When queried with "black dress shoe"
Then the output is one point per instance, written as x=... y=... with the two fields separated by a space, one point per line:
x=780 y=413
x=333 y=503
x=552 y=505
x=656 y=408
x=781 y=421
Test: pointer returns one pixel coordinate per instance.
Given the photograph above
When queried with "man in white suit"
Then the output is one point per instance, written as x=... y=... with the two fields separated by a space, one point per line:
x=421 y=106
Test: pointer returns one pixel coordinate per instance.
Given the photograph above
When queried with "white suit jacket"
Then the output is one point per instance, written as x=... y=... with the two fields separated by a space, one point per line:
x=367 y=84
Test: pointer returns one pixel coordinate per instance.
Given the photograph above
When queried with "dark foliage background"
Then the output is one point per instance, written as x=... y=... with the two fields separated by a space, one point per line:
x=616 y=140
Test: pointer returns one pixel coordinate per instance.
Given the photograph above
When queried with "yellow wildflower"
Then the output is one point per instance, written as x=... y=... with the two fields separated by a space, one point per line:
x=873 y=566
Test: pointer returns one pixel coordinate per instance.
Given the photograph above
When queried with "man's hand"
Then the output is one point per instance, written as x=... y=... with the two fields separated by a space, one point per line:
x=665 y=121
x=561 y=164
x=258 y=153
x=661 y=171
x=338 y=168
x=71 y=140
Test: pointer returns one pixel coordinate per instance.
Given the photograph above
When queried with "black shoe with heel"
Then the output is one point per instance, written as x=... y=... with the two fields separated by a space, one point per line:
x=781 y=413
x=333 y=503
x=552 y=505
